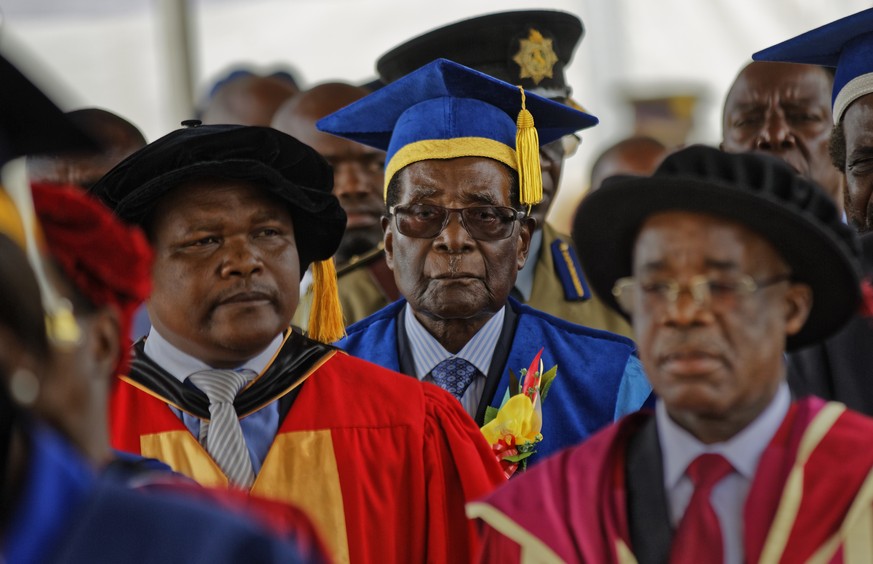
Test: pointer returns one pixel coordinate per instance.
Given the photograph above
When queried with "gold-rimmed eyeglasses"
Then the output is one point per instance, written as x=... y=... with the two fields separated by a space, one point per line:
x=716 y=294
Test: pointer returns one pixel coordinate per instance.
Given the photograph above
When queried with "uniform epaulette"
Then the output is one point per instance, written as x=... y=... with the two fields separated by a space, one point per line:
x=569 y=271
x=358 y=261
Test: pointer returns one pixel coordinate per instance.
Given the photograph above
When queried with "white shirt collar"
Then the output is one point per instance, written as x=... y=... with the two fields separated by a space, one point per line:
x=181 y=364
x=679 y=447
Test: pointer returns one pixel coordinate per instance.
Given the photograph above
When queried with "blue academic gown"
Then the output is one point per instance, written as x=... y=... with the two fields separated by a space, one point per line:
x=599 y=376
x=67 y=514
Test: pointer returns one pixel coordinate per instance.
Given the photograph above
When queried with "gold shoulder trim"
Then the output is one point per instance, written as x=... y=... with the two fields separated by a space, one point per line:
x=533 y=550
x=792 y=493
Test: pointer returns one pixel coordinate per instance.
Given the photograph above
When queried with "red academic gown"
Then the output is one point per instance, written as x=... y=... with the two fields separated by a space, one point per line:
x=812 y=495
x=381 y=463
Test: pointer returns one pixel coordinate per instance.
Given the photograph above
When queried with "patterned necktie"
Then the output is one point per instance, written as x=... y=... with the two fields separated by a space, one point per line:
x=454 y=375
x=698 y=538
x=221 y=434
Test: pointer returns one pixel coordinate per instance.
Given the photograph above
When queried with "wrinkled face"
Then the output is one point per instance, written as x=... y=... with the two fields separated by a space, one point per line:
x=452 y=275
x=226 y=273
x=858 y=130
x=713 y=362
x=785 y=110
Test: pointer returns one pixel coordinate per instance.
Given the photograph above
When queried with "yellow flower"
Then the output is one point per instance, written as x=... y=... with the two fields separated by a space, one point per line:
x=517 y=418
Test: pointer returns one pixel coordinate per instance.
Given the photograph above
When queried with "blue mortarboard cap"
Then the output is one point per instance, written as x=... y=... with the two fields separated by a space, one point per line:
x=445 y=110
x=846 y=44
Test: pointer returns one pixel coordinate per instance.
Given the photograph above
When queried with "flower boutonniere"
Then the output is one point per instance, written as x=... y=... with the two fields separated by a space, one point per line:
x=513 y=430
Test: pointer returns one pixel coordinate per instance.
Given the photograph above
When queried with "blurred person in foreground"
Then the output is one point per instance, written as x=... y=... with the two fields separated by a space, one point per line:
x=461 y=177
x=364 y=281
x=53 y=506
x=116 y=139
x=723 y=262
x=530 y=48
x=224 y=392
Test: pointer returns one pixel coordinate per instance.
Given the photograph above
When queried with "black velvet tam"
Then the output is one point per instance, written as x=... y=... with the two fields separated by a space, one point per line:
x=270 y=159
x=760 y=192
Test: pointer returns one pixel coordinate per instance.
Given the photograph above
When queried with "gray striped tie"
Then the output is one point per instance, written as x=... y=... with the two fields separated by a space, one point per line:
x=221 y=434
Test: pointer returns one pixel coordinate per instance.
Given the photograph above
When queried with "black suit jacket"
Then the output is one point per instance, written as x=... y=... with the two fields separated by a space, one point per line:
x=648 y=515
x=841 y=367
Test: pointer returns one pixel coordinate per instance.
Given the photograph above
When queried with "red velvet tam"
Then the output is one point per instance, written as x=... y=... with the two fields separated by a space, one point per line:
x=108 y=261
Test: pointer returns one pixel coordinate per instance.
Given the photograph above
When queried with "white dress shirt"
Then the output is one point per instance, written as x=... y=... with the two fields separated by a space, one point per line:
x=679 y=448
x=427 y=352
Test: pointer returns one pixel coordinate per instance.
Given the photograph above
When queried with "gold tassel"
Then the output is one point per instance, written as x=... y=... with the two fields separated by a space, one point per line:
x=326 y=316
x=527 y=147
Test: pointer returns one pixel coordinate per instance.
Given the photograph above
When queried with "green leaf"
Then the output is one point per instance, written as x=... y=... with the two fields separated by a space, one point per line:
x=546 y=382
x=513 y=383
x=519 y=457
x=490 y=414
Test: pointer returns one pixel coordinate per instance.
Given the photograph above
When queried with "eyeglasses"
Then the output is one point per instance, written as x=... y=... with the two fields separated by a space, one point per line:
x=562 y=148
x=483 y=223
x=715 y=294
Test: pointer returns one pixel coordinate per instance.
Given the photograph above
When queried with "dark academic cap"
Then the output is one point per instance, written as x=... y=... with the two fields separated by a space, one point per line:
x=277 y=162
x=30 y=122
x=846 y=44
x=758 y=191
x=445 y=110
x=529 y=47
x=270 y=159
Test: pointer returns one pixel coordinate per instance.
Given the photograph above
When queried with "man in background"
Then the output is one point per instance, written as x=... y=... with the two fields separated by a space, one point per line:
x=784 y=110
x=364 y=281
x=116 y=137
x=635 y=155
x=246 y=98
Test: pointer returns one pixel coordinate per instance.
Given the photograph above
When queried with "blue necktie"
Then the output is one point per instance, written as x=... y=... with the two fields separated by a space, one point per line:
x=454 y=375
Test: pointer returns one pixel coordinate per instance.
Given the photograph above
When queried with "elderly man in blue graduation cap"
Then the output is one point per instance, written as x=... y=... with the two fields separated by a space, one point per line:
x=462 y=171
x=845 y=44
x=531 y=48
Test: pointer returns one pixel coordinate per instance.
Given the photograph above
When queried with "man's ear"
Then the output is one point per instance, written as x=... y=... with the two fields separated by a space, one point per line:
x=799 y=301
x=388 y=241
x=528 y=226
x=105 y=343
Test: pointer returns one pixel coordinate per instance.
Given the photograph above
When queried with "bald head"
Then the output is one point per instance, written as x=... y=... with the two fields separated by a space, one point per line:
x=357 y=169
x=248 y=100
x=297 y=116
x=117 y=137
x=638 y=156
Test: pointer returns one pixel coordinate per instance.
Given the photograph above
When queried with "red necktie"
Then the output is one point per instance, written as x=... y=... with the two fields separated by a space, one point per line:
x=698 y=538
